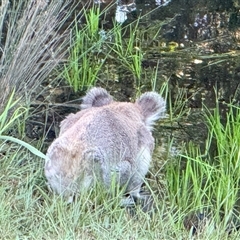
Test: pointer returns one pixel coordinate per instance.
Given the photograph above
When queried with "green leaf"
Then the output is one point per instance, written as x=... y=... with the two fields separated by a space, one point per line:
x=32 y=149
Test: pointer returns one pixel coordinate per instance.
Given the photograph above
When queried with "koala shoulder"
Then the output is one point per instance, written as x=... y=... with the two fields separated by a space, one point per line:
x=69 y=121
x=96 y=97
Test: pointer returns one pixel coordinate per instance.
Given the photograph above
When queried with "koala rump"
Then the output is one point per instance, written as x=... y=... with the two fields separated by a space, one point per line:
x=105 y=137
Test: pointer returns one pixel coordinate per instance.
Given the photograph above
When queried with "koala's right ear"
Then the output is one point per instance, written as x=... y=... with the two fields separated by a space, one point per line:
x=152 y=106
x=96 y=97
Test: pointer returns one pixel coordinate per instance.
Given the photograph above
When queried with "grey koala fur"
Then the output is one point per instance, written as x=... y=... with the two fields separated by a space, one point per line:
x=104 y=137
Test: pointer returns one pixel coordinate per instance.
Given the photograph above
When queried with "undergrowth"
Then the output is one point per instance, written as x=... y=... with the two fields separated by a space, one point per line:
x=201 y=189
x=207 y=182
x=198 y=197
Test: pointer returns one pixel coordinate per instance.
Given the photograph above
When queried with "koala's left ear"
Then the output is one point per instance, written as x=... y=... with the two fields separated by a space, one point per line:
x=152 y=106
x=96 y=97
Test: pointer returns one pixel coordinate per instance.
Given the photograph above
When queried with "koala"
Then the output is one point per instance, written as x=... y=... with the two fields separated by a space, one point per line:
x=105 y=137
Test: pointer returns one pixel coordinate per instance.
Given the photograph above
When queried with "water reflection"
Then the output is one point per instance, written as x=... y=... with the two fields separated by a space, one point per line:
x=124 y=7
x=122 y=10
x=162 y=2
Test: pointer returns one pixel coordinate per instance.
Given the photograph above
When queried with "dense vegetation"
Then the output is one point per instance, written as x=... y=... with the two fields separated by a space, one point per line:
x=194 y=189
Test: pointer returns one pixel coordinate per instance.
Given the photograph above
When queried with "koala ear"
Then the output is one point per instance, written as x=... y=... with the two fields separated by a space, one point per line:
x=96 y=97
x=152 y=106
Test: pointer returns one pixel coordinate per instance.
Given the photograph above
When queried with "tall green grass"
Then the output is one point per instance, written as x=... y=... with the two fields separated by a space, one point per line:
x=127 y=50
x=85 y=58
x=208 y=182
x=91 y=48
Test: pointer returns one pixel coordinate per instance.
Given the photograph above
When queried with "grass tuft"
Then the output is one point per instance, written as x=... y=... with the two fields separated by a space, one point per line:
x=85 y=62
x=208 y=182
x=33 y=43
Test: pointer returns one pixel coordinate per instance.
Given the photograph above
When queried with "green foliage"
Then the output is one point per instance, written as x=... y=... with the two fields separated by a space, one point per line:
x=15 y=119
x=128 y=50
x=7 y=119
x=91 y=47
x=226 y=178
x=210 y=181
x=24 y=144
x=177 y=105
x=84 y=61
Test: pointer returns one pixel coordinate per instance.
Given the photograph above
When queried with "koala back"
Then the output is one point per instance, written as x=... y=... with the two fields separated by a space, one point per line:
x=104 y=137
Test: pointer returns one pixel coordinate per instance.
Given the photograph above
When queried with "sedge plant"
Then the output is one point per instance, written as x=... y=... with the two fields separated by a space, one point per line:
x=85 y=59
x=11 y=117
x=209 y=181
x=127 y=50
